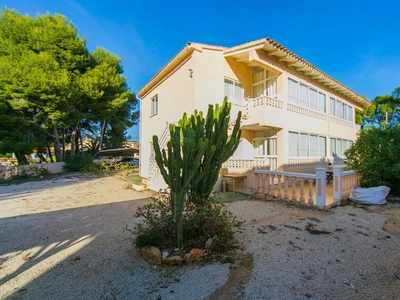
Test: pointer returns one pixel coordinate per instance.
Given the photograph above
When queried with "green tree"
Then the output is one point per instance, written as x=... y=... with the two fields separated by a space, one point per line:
x=48 y=75
x=376 y=154
x=384 y=111
x=15 y=132
x=41 y=58
x=106 y=88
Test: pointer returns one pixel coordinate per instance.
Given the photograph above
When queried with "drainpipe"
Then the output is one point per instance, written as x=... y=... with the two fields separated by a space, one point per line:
x=140 y=134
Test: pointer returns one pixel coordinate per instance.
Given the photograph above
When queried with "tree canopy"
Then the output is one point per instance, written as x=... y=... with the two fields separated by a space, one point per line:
x=53 y=87
x=376 y=154
x=383 y=112
x=376 y=151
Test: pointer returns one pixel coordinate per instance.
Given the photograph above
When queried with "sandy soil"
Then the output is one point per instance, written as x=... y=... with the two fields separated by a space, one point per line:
x=63 y=238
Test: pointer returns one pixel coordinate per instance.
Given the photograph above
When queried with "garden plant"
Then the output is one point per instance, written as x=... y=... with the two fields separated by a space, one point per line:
x=190 y=166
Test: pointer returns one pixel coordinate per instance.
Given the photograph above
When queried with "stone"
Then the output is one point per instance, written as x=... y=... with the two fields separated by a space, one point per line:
x=139 y=251
x=210 y=244
x=165 y=254
x=193 y=255
x=173 y=260
x=152 y=255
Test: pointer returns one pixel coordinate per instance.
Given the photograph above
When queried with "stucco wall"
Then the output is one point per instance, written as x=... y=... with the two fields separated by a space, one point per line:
x=175 y=95
x=7 y=172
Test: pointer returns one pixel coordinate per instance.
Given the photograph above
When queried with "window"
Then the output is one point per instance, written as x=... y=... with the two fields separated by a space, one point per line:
x=338 y=110
x=313 y=99
x=321 y=102
x=341 y=110
x=265 y=143
x=264 y=82
x=350 y=113
x=314 y=146
x=305 y=96
x=306 y=145
x=154 y=105
x=234 y=91
x=332 y=107
x=293 y=144
x=293 y=91
x=259 y=148
x=339 y=146
x=322 y=146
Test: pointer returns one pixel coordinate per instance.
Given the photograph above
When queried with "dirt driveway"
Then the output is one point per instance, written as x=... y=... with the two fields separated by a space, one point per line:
x=63 y=238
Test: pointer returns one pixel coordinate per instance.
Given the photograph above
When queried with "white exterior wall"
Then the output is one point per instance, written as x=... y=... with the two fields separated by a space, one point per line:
x=175 y=95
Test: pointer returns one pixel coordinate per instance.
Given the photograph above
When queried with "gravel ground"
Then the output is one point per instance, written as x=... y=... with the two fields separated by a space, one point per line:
x=63 y=238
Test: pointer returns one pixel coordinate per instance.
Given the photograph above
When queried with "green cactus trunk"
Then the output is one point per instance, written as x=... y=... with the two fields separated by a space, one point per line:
x=182 y=159
x=198 y=147
x=221 y=146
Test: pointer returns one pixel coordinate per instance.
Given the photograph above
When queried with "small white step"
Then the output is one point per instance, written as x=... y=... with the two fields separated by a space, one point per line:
x=139 y=187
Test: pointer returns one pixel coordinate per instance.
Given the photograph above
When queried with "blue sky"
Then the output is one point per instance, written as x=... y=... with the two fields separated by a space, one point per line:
x=356 y=42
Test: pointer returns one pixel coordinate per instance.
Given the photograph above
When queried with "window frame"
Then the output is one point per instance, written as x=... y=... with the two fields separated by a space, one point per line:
x=339 y=146
x=154 y=105
x=341 y=110
x=268 y=83
x=300 y=93
x=237 y=88
x=297 y=151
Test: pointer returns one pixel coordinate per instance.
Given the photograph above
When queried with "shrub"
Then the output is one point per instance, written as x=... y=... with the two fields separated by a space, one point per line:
x=200 y=223
x=30 y=171
x=77 y=162
x=376 y=154
x=90 y=168
x=106 y=167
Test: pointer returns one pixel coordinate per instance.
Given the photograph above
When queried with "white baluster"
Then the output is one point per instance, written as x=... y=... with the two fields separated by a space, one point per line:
x=286 y=187
x=294 y=196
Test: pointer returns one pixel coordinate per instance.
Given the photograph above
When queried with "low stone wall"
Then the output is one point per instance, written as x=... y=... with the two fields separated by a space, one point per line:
x=7 y=172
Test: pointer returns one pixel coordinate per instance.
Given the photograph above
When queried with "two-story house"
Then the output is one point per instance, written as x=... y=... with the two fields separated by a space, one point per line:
x=295 y=116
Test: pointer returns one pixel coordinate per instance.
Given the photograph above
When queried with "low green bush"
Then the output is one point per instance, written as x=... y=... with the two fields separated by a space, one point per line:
x=77 y=162
x=30 y=171
x=158 y=228
x=104 y=167
x=376 y=155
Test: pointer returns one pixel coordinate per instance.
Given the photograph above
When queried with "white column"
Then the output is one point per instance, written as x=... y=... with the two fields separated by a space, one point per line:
x=337 y=183
x=320 y=185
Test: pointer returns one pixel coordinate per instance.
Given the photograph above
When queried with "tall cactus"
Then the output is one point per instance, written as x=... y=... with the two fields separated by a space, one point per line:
x=182 y=161
x=195 y=153
x=220 y=147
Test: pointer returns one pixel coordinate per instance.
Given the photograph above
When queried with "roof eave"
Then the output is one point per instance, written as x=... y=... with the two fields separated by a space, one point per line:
x=292 y=60
x=175 y=61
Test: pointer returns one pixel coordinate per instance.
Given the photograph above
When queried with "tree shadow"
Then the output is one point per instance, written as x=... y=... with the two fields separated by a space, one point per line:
x=63 y=249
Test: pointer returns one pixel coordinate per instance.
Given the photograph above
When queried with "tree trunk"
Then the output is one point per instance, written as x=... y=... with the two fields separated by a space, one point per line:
x=56 y=143
x=103 y=126
x=77 y=140
x=41 y=157
x=73 y=139
x=63 y=140
x=50 y=155
x=21 y=159
x=81 y=139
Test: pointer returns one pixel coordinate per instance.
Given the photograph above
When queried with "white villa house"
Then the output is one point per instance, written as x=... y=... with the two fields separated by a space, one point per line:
x=296 y=118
